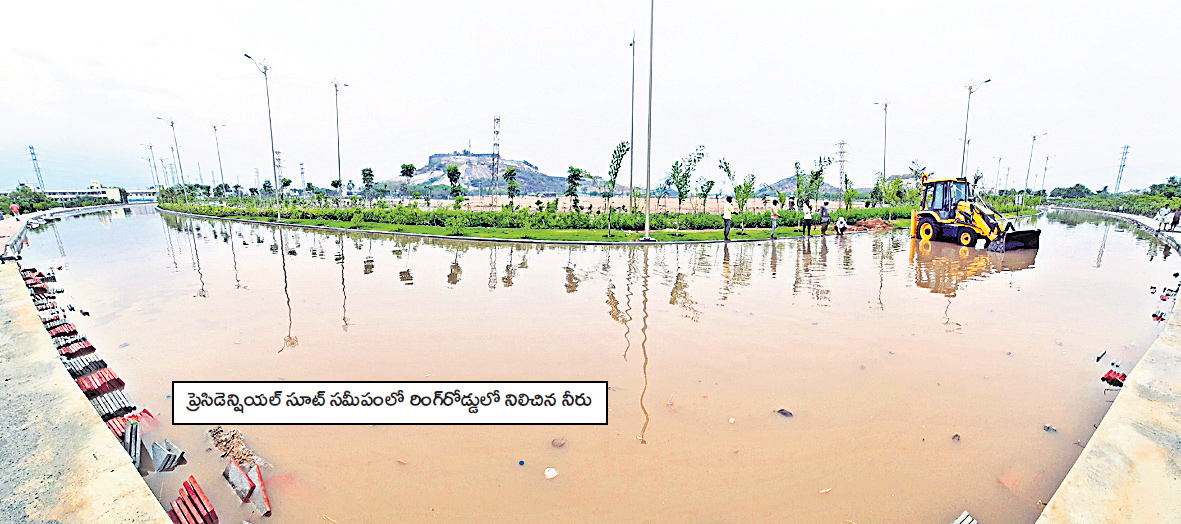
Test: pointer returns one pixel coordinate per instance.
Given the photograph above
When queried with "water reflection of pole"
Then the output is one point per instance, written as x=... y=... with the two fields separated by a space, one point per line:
x=644 y=347
x=61 y=248
x=344 y=295
x=234 y=255
x=631 y=269
x=1102 y=245
x=168 y=238
x=289 y=341
x=197 y=260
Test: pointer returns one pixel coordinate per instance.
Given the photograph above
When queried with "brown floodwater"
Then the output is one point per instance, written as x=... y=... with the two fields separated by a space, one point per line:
x=881 y=348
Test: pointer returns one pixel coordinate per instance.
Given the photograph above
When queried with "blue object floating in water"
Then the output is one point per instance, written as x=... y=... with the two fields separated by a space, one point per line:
x=521 y=463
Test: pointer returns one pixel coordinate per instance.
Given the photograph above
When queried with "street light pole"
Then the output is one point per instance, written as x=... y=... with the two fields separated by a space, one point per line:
x=885 y=123
x=152 y=161
x=336 y=86
x=631 y=170
x=1045 y=169
x=176 y=149
x=967 y=113
x=263 y=68
x=648 y=183
x=998 y=174
x=1030 y=165
x=218 y=146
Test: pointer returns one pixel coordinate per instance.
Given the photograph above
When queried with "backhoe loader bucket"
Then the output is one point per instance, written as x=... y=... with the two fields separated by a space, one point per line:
x=1010 y=240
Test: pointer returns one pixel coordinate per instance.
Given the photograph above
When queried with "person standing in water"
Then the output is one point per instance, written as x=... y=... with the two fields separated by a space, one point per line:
x=806 y=212
x=774 y=217
x=727 y=213
x=824 y=219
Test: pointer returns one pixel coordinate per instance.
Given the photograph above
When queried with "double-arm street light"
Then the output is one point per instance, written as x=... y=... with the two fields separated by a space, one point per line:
x=175 y=148
x=1030 y=165
x=885 y=122
x=152 y=162
x=263 y=68
x=218 y=146
x=648 y=176
x=336 y=86
x=967 y=113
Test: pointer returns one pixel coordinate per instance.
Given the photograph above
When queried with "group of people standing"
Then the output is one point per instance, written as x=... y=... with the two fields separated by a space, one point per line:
x=1162 y=216
x=820 y=218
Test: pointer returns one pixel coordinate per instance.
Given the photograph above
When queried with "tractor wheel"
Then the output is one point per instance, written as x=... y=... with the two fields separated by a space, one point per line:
x=927 y=229
x=967 y=237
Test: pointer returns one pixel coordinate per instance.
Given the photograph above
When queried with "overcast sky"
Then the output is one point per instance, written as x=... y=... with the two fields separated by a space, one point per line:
x=763 y=84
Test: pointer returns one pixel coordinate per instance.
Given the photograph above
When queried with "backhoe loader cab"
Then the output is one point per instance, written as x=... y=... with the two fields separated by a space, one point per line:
x=949 y=212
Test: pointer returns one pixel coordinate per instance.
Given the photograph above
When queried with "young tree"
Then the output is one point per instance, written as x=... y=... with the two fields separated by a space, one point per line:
x=267 y=187
x=513 y=187
x=311 y=188
x=608 y=191
x=877 y=196
x=704 y=188
x=367 y=181
x=742 y=194
x=336 y=185
x=682 y=174
x=808 y=183
x=407 y=172
x=453 y=179
x=574 y=177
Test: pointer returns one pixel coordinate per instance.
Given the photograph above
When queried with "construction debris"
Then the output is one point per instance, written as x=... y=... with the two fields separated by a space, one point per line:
x=233 y=446
x=1115 y=378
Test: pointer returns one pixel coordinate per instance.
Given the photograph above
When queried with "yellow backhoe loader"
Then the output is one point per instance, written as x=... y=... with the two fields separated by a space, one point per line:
x=950 y=212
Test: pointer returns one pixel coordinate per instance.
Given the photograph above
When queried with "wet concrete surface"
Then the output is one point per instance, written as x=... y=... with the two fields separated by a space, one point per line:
x=58 y=462
x=882 y=348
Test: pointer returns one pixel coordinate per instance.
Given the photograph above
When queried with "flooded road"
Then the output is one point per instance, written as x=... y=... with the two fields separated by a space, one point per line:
x=881 y=348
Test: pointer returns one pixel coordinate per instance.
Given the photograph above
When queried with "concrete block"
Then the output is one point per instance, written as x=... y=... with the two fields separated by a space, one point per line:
x=236 y=476
x=131 y=443
x=261 y=501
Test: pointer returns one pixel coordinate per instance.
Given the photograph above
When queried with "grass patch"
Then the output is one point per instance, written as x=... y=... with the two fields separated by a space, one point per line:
x=575 y=235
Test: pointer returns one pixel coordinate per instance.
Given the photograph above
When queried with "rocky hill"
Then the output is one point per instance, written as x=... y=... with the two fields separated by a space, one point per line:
x=476 y=173
x=789 y=185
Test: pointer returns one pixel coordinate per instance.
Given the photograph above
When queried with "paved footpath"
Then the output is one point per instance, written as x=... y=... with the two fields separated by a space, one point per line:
x=1130 y=470
x=58 y=462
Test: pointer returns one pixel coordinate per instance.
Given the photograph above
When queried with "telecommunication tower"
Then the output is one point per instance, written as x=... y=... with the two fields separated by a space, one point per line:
x=1123 y=159
x=41 y=183
x=495 y=150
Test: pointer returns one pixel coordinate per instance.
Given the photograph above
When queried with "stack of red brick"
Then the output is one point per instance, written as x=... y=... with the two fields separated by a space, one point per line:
x=99 y=382
x=192 y=506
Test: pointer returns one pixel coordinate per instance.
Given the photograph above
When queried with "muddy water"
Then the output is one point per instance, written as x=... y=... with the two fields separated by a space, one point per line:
x=882 y=349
